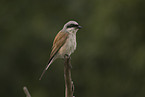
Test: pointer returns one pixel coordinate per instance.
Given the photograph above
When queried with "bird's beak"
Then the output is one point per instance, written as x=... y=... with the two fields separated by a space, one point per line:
x=79 y=27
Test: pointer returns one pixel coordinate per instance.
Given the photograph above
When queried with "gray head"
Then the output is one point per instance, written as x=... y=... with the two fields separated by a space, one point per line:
x=71 y=26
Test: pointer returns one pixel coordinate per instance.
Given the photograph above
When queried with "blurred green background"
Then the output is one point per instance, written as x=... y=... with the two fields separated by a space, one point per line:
x=110 y=56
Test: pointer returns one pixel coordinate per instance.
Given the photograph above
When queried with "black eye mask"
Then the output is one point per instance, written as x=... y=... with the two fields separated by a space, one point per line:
x=72 y=25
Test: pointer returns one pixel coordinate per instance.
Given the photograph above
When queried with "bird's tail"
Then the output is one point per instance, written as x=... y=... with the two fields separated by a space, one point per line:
x=49 y=63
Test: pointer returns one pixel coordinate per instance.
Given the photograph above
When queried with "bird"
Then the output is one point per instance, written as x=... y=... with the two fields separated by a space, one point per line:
x=64 y=43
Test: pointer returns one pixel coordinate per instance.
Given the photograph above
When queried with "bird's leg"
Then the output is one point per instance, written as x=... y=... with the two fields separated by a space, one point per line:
x=68 y=58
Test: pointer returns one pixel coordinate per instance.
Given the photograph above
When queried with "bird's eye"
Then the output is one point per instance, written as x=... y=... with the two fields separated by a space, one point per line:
x=72 y=25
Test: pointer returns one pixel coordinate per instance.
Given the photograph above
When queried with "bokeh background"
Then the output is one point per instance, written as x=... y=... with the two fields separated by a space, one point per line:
x=110 y=56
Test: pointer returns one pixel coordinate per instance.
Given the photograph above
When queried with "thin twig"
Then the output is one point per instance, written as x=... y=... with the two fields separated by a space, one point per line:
x=69 y=87
x=26 y=91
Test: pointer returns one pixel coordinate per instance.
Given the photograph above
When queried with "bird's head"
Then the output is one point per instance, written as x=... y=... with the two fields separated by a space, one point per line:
x=71 y=27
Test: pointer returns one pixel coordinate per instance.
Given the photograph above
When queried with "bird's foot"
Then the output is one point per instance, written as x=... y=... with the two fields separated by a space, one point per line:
x=68 y=58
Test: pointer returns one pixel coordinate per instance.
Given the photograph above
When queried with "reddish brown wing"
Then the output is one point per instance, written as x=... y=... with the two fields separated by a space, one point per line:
x=58 y=43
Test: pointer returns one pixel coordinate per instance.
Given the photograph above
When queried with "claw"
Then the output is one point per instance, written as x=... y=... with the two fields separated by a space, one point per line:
x=66 y=56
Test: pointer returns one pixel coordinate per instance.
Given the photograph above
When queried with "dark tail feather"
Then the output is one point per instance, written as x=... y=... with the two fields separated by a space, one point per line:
x=49 y=63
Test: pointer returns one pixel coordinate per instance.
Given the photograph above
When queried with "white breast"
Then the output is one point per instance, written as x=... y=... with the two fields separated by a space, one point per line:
x=72 y=43
x=69 y=46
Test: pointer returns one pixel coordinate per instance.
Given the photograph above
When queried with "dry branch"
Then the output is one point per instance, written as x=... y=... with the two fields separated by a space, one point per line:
x=69 y=87
x=26 y=91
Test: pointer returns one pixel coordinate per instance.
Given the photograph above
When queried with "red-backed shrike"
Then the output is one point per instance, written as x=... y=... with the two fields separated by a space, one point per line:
x=64 y=42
